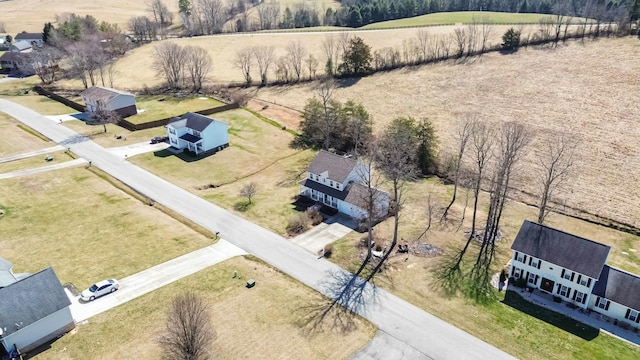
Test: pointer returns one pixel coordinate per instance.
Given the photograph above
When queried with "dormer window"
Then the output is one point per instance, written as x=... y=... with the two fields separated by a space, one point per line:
x=196 y=133
x=567 y=275
x=331 y=183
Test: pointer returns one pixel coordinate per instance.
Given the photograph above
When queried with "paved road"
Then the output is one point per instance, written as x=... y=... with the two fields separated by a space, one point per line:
x=31 y=154
x=416 y=328
x=155 y=277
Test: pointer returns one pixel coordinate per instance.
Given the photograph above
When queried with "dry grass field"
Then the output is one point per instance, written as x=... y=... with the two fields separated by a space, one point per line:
x=590 y=89
x=258 y=323
x=17 y=138
x=31 y=15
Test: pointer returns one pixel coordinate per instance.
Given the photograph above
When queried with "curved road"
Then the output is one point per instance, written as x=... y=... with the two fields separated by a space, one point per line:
x=422 y=332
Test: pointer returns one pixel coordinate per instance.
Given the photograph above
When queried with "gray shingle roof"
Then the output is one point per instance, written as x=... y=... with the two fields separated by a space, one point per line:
x=569 y=251
x=31 y=299
x=338 y=167
x=28 y=36
x=619 y=286
x=192 y=121
x=102 y=93
x=358 y=194
x=22 y=45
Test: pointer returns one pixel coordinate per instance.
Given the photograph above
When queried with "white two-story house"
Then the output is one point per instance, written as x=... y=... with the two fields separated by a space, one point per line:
x=339 y=182
x=197 y=133
x=574 y=269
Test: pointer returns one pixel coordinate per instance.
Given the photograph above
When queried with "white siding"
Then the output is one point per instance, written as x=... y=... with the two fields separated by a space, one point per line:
x=43 y=329
x=614 y=311
x=121 y=101
x=216 y=134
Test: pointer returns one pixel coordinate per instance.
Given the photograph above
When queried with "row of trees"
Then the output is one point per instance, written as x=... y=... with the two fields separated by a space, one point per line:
x=182 y=66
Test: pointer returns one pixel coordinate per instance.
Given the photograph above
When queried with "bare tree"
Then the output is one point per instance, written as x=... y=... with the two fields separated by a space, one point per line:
x=102 y=116
x=210 y=16
x=312 y=65
x=111 y=74
x=264 y=59
x=330 y=47
x=45 y=63
x=268 y=15
x=473 y=33
x=423 y=44
x=555 y=160
x=296 y=52
x=485 y=32
x=459 y=38
x=161 y=12
x=143 y=28
x=249 y=190
x=464 y=131
x=188 y=332
x=244 y=61
x=197 y=64
x=168 y=62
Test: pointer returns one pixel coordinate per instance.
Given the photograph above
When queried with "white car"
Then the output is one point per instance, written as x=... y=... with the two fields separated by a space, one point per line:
x=100 y=288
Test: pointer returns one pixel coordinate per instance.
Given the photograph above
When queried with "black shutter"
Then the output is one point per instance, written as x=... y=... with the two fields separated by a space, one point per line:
x=516 y=257
x=606 y=307
x=579 y=277
x=513 y=271
x=574 y=294
x=584 y=298
x=527 y=278
x=529 y=260
x=539 y=262
x=589 y=282
x=562 y=275
x=638 y=318
x=537 y=277
x=626 y=316
x=572 y=276
x=558 y=291
x=524 y=260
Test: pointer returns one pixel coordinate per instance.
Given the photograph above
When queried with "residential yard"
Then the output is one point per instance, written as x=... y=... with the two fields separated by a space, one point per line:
x=548 y=89
x=496 y=323
x=17 y=138
x=109 y=138
x=160 y=106
x=86 y=228
x=41 y=104
x=262 y=322
x=35 y=162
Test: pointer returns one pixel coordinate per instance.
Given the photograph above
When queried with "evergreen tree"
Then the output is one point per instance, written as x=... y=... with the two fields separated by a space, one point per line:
x=46 y=32
x=357 y=59
x=511 y=40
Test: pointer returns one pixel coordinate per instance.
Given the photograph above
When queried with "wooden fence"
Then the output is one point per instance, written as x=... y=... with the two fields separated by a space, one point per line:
x=162 y=122
x=72 y=104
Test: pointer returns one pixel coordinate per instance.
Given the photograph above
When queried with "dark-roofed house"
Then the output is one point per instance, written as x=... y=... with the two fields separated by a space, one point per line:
x=617 y=295
x=197 y=133
x=575 y=269
x=338 y=182
x=557 y=262
x=35 y=39
x=103 y=98
x=33 y=310
x=16 y=62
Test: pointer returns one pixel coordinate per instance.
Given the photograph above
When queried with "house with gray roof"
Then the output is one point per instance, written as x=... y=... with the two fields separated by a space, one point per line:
x=339 y=182
x=35 y=39
x=33 y=310
x=98 y=98
x=197 y=133
x=574 y=269
x=21 y=47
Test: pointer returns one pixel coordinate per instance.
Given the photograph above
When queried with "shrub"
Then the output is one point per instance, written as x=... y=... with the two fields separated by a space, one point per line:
x=520 y=282
x=511 y=40
x=298 y=224
x=314 y=215
x=557 y=299
x=503 y=276
x=328 y=250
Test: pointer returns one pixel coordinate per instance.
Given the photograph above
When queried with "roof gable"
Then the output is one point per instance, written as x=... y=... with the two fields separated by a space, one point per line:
x=193 y=121
x=619 y=286
x=338 y=167
x=13 y=56
x=358 y=195
x=102 y=93
x=31 y=299
x=29 y=36
x=569 y=251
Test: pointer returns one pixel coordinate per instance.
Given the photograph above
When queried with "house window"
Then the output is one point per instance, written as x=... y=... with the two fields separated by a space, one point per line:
x=174 y=141
x=196 y=133
x=172 y=131
x=583 y=281
x=567 y=275
x=602 y=303
x=331 y=183
x=564 y=291
x=534 y=263
x=520 y=258
x=310 y=176
x=579 y=296
x=532 y=278
x=516 y=273
x=633 y=315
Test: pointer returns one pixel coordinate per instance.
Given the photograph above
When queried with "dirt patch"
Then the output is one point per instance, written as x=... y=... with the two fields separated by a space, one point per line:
x=286 y=116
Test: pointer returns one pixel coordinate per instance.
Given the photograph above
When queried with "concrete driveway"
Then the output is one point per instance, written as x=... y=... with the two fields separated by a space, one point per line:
x=407 y=323
x=31 y=154
x=137 y=148
x=25 y=172
x=324 y=233
x=153 y=278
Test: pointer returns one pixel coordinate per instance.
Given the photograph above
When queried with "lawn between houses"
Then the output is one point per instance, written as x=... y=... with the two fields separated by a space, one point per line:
x=266 y=321
x=17 y=138
x=497 y=323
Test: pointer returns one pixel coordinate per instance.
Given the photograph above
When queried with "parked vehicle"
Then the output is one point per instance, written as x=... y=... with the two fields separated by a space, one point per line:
x=100 y=288
x=159 y=139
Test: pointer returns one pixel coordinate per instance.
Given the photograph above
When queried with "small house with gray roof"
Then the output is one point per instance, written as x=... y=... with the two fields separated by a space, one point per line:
x=33 y=311
x=575 y=270
x=339 y=182
x=35 y=39
x=98 y=98
x=197 y=133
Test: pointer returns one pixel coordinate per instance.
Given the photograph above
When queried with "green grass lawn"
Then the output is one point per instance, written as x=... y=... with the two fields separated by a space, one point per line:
x=169 y=106
x=85 y=228
x=110 y=138
x=463 y=17
x=258 y=323
x=17 y=138
x=41 y=104
x=34 y=162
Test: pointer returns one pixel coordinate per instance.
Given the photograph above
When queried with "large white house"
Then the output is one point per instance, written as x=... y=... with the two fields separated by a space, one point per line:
x=33 y=310
x=103 y=98
x=574 y=269
x=339 y=182
x=197 y=133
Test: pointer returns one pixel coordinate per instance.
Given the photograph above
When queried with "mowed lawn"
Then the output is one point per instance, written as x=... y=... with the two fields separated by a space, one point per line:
x=460 y=17
x=85 y=228
x=501 y=325
x=57 y=157
x=264 y=322
x=17 y=138
x=547 y=89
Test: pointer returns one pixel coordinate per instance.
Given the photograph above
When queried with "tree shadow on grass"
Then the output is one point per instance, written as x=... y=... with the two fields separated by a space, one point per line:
x=563 y=322
x=242 y=205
